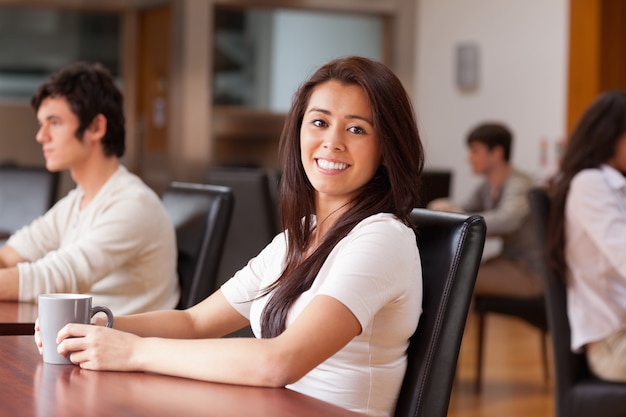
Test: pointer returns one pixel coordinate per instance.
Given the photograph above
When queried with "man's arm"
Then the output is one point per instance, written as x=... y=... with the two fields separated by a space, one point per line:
x=443 y=204
x=9 y=275
x=10 y=257
x=9 y=284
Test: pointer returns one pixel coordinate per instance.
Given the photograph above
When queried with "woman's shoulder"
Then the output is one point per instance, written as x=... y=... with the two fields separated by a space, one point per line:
x=381 y=218
x=592 y=185
x=384 y=223
x=589 y=177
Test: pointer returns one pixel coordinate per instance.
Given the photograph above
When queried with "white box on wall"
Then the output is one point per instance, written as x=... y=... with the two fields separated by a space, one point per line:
x=467 y=66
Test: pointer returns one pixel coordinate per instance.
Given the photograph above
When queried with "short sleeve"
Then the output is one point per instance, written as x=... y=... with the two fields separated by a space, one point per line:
x=375 y=265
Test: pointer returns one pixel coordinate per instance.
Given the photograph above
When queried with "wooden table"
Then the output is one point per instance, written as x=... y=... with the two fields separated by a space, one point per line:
x=33 y=388
x=17 y=318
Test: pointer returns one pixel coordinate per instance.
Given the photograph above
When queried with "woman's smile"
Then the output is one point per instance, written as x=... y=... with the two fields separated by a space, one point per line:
x=328 y=165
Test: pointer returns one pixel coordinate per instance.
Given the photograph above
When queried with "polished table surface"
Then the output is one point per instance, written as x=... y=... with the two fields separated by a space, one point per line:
x=17 y=318
x=33 y=388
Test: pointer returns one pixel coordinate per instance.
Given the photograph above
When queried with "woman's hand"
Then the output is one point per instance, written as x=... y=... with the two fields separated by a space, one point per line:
x=97 y=320
x=99 y=348
x=38 y=336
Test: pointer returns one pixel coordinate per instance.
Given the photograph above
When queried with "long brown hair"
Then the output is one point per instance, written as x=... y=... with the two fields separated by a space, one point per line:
x=592 y=143
x=393 y=189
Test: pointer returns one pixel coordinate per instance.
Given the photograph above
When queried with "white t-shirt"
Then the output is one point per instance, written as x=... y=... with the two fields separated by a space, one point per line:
x=595 y=250
x=120 y=249
x=376 y=272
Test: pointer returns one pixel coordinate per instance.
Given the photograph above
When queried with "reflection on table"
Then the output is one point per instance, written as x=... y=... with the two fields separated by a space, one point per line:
x=33 y=388
x=17 y=318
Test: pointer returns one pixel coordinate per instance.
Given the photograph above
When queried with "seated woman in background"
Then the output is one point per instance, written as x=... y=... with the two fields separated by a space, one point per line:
x=332 y=301
x=588 y=234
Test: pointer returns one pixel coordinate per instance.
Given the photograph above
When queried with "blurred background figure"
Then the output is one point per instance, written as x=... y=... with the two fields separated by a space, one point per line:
x=501 y=200
x=587 y=234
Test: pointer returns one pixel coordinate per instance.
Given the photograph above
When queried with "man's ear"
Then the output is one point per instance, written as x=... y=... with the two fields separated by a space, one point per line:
x=498 y=151
x=98 y=127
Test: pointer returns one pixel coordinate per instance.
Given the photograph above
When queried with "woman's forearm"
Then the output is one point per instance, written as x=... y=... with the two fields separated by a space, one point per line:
x=162 y=323
x=213 y=317
x=228 y=360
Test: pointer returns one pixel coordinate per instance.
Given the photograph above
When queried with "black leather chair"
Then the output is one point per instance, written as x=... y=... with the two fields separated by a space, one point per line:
x=201 y=215
x=26 y=192
x=577 y=392
x=451 y=246
x=253 y=223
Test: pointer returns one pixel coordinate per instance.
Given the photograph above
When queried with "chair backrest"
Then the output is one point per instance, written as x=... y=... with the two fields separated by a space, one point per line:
x=253 y=222
x=567 y=364
x=451 y=246
x=201 y=214
x=26 y=192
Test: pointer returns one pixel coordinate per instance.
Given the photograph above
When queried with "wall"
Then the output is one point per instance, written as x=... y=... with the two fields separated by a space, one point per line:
x=18 y=127
x=522 y=80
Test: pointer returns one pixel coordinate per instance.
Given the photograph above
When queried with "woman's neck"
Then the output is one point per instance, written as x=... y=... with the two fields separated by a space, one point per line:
x=326 y=216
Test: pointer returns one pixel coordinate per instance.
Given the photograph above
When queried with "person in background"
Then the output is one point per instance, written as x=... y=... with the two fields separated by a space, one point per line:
x=334 y=299
x=502 y=200
x=587 y=234
x=110 y=237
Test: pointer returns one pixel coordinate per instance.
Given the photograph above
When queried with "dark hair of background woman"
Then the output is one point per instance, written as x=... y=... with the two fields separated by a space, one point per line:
x=592 y=143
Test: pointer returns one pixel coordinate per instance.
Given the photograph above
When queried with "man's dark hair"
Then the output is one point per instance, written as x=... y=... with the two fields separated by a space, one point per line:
x=492 y=135
x=90 y=90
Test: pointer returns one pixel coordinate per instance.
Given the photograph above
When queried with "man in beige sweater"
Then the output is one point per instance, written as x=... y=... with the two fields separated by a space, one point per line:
x=501 y=199
x=110 y=237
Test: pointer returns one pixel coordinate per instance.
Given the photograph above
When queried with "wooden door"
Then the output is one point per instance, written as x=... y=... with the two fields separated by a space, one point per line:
x=597 y=61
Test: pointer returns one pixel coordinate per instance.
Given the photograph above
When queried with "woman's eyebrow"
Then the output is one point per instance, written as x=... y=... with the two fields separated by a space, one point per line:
x=349 y=116
x=356 y=116
x=318 y=109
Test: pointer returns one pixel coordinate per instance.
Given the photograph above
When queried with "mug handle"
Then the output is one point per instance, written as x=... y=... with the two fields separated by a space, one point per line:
x=105 y=310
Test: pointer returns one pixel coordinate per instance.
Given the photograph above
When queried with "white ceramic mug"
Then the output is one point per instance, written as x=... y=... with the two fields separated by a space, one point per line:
x=57 y=310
